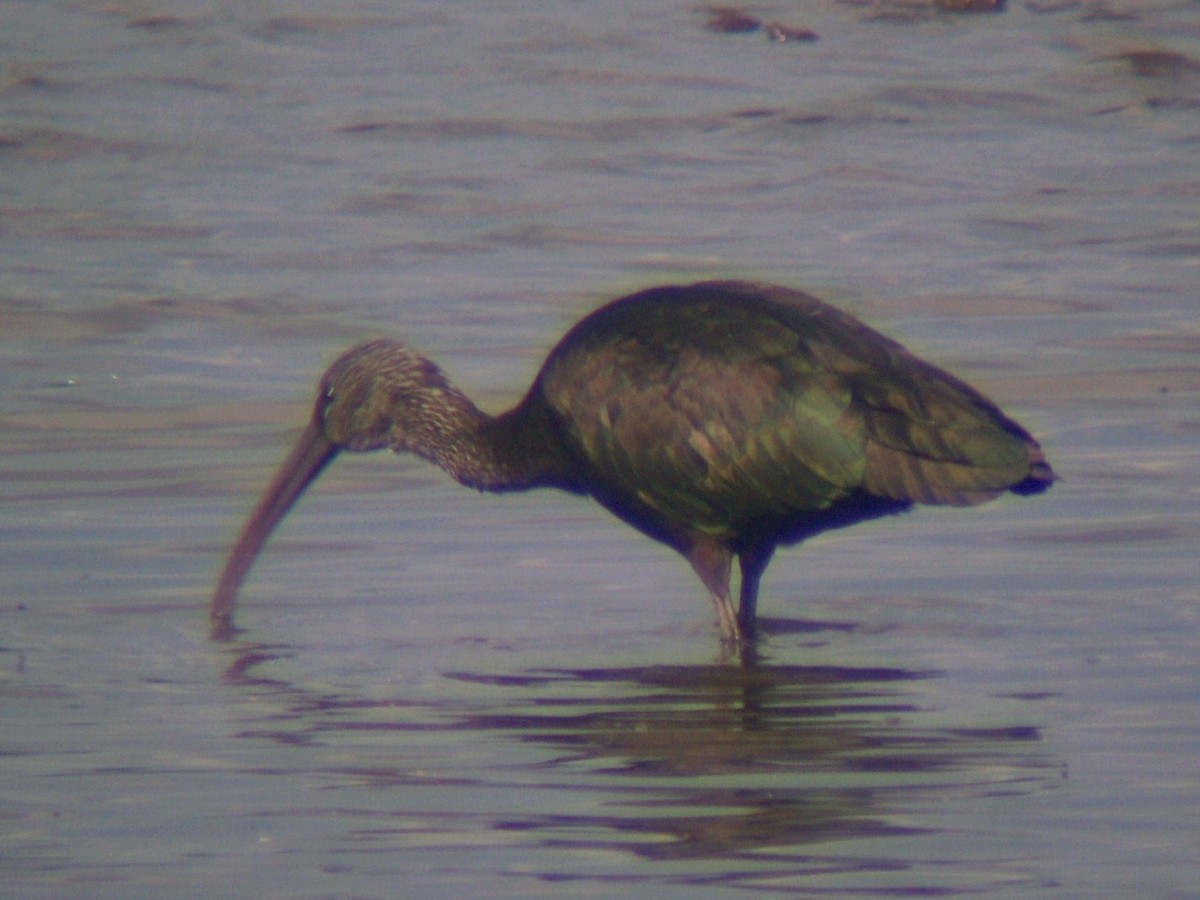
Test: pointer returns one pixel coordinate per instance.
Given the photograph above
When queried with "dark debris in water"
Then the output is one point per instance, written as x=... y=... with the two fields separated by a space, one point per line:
x=1158 y=63
x=910 y=10
x=733 y=20
x=737 y=21
x=969 y=6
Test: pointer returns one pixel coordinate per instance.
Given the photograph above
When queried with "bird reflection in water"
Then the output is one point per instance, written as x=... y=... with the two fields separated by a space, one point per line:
x=721 y=418
x=761 y=762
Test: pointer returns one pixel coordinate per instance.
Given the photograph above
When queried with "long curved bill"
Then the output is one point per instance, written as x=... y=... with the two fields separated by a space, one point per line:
x=312 y=453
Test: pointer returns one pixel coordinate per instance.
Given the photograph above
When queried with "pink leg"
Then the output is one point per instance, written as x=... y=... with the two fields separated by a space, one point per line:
x=713 y=562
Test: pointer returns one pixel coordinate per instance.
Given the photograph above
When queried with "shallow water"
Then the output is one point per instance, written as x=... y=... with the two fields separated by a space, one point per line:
x=439 y=694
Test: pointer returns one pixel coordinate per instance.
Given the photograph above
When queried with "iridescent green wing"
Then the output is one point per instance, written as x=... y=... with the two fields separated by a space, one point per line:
x=929 y=437
x=711 y=412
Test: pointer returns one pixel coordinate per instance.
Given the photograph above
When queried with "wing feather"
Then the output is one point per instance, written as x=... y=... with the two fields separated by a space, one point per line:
x=738 y=404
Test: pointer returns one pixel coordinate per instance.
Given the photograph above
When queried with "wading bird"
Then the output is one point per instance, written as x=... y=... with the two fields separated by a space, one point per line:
x=722 y=419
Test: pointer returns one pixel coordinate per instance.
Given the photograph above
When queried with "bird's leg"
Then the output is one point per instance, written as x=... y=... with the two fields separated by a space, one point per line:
x=753 y=562
x=713 y=563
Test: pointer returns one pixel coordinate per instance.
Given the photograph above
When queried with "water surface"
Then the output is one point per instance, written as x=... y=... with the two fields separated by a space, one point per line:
x=439 y=694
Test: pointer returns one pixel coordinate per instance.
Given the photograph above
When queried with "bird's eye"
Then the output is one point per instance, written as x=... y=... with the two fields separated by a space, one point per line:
x=327 y=397
x=324 y=401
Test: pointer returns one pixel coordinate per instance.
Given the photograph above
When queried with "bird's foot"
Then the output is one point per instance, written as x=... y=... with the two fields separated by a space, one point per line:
x=731 y=629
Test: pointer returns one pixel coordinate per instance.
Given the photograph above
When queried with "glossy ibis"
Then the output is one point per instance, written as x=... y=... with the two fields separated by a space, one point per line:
x=721 y=418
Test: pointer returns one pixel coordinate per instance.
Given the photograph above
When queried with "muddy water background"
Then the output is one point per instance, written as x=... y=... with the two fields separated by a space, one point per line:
x=440 y=694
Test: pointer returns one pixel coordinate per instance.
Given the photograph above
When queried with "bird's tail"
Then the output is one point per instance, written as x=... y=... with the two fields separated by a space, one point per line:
x=1040 y=476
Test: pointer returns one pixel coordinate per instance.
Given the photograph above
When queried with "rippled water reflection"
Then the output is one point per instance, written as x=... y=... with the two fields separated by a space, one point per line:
x=757 y=775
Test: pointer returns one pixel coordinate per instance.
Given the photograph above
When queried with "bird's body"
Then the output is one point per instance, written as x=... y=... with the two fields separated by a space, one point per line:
x=722 y=419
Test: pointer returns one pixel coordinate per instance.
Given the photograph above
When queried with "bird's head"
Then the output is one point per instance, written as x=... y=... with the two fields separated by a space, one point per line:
x=376 y=395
